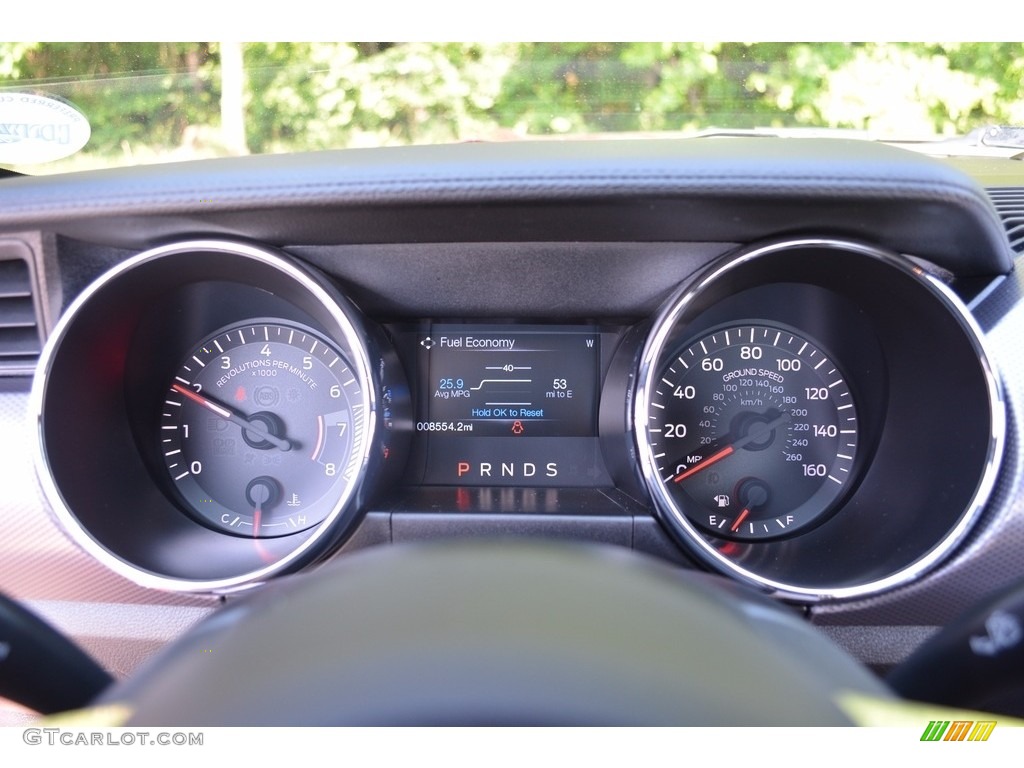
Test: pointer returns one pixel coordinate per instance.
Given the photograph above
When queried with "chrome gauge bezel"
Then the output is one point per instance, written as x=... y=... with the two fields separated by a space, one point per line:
x=797 y=262
x=139 y=552
x=757 y=471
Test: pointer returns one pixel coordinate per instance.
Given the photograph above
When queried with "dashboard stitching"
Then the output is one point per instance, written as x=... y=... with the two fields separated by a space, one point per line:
x=729 y=183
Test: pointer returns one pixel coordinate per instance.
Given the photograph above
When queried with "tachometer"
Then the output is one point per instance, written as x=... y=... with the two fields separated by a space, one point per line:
x=258 y=427
x=754 y=432
x=213 y=414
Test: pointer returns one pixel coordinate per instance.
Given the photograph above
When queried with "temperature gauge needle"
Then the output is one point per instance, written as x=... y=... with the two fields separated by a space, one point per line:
x=253 y=428
x=261 y=492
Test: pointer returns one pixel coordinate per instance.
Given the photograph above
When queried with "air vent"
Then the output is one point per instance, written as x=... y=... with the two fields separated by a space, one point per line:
x=1009 y=201
x=21 y=337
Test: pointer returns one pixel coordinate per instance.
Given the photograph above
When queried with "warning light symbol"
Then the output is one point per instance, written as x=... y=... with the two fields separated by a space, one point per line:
x=240 y=394
x=517 y=428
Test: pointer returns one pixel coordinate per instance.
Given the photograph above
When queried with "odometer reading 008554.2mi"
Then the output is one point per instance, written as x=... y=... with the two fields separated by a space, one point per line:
x=754 y=432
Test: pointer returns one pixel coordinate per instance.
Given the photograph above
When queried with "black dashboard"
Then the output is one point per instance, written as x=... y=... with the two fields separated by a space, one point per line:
x=790 y=362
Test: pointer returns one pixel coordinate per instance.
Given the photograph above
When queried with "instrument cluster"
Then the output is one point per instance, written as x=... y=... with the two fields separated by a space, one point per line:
x=212 y=414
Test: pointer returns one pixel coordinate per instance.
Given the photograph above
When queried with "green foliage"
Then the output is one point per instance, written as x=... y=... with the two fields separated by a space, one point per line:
x=154 y=99
x=11 y=57
x=319 y=95
x=134 y=94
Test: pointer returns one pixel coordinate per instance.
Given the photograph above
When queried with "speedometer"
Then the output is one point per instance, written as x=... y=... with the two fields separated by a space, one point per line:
x=754 y=432
x=790 y=427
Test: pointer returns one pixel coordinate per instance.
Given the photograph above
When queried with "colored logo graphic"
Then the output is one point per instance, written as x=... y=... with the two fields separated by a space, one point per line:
x=958 y=730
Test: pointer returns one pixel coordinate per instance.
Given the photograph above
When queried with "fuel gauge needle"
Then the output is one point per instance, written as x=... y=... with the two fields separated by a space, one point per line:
x=739 y=520
x=234 y=418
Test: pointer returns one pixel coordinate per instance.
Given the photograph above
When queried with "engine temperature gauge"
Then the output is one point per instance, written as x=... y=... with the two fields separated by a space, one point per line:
x=258 y=428
x=754 y=432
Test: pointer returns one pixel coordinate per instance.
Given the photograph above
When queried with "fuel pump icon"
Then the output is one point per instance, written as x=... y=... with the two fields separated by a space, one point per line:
x=722 y=500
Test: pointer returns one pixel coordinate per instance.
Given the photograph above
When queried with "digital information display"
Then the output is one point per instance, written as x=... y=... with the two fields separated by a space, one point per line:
x=511 y=405
x=513 y=382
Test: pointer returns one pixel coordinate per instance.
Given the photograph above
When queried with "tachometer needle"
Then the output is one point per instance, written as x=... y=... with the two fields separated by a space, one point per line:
x=234 y=418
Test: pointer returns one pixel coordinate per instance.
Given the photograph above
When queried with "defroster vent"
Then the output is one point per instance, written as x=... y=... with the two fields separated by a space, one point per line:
x=1009 y=202
x=21 y=334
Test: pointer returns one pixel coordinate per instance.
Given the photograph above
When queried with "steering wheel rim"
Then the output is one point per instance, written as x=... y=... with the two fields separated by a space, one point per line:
x=498 y=633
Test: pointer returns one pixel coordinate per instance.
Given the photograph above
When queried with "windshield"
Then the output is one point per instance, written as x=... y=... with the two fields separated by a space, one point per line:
x=158 y=102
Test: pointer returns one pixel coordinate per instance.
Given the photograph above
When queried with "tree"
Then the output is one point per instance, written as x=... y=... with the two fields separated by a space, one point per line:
x=155 y=99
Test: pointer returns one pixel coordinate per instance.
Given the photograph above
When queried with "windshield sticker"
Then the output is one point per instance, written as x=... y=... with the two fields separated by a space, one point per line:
x=39 y=129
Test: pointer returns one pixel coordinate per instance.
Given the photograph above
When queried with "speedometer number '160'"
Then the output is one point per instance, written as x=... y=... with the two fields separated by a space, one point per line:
x=754 y=432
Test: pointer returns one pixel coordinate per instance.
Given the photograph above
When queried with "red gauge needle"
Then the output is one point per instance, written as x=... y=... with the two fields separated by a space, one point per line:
x=197 y=398
x=262 y=490
x=743 y=516
x=755 y=434
x=701 y=465
x=256 y=429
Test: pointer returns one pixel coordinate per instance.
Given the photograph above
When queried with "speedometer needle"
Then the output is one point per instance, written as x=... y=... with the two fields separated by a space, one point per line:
x=753 y=435
x=704 y=464
x=234 y=418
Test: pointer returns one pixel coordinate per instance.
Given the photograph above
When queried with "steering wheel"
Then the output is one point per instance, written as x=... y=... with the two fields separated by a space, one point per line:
x=493 y=633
